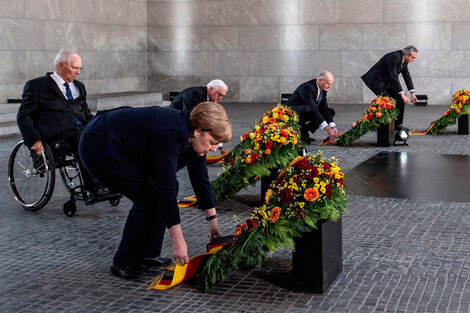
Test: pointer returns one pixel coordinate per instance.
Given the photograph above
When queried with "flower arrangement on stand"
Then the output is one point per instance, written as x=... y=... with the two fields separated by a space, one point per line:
x=460 y=105
x=382 y=110
x=308 y=190
x=271 y=143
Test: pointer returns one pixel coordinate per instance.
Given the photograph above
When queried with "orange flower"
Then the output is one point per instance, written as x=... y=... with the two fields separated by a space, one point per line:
x=457 y=110
x=272 y=120
x=378 y=114
x=267 y=151
x=274 y=215
x=354 y=124
x=311 y=194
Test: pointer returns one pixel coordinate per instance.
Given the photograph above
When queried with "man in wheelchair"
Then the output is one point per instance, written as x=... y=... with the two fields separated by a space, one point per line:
x=54 y=112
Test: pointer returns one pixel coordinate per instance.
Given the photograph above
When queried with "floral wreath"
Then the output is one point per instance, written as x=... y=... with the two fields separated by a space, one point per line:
x=382 y=110
x=460 y=105
x=310 y=189
x=271 y=143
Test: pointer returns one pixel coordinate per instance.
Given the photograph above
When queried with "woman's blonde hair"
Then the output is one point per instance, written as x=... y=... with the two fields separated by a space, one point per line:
x=211 y=117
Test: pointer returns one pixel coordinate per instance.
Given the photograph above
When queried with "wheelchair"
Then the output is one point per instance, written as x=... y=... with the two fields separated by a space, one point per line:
x=32 y=177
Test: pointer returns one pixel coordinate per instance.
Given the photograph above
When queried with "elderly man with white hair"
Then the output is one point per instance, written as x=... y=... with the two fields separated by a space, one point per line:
x=187 y=99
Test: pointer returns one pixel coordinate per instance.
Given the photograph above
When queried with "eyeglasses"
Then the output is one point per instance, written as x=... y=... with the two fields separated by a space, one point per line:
x=219 y=95
x=74 y=67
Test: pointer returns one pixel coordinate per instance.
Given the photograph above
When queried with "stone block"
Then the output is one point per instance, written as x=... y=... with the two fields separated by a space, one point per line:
x=174 y=38
x=460 y=83
x=219 y=38
x=259 y=38
x=78 y=11
x=12 y=67
x=279 y=63
x=131 y=38
x=448 y=11
x=168 y=83
x=429 y=35
x=111 y=85
x=384 y=36
x=259 y=89
x=75 y=35
x=21 y=34
x=346 y=90
x=445 y=63
x=438 y=89
x=319 y=12
x=278 y=12
x=44 y=9
x=362 y=11
x=201 y=13
x=404 y=11
x=239 y=63
x=165 y=14
x=239 y=12
x=341 y=37
x=111 y=64
x=37 y=63
x=459 y=37
x=313 y=63
x=136 y=13
x=299 y=37
x=289 y=84
x=200 y=63
x=11 y=9
x=166 y=63
x=10 y=91
x=357 y=63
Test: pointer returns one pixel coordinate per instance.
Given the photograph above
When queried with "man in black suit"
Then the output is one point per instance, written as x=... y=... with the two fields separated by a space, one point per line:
x=138 y=151
x=382 y=78
x=309 y=101
x=187 y=99
x=54 y=110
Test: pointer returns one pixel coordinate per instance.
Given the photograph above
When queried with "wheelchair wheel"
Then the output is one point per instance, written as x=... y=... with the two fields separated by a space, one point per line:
x=70 y=177
x=115 y=201
x=70 y=208
x=31 y=176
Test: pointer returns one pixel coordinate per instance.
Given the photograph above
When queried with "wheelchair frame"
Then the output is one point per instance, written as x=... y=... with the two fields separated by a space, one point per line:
x=31 y=173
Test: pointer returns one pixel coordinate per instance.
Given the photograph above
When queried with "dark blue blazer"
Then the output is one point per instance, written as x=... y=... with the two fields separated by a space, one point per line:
x=384 y=74
x=146 y=144
x=189 y=98
x=306 y=95
x=45 y=113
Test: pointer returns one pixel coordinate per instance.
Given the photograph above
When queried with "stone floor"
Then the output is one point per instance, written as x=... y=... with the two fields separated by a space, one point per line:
x=398 y=255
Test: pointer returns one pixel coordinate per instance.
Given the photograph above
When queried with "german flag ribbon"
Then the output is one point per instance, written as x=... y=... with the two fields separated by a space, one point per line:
x=189 y=201
x=177 y=273
x=423 y=132
x=211 y=159
x=329 y=141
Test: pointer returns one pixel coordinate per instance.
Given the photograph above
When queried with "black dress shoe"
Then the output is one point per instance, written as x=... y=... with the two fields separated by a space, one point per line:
x=157 y=261
x=126 y=271
x=101 y=192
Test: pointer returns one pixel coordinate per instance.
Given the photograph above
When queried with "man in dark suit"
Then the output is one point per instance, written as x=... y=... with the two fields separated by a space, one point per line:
x=187 y=99
x=309 y=101
x=137 y=152
x=54 y=110
x=382 y=78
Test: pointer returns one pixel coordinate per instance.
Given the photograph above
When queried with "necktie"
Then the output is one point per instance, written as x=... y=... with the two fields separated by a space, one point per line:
x=68 y=94
x=319 y=98
x=68 y=91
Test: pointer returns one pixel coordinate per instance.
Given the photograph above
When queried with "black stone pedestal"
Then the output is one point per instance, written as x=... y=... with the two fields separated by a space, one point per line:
x=386 y=134
x=318 y=257
x=462 y=123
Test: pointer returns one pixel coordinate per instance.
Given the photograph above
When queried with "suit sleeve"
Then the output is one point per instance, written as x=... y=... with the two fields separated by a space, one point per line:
x=197 y=169
x=307 y=96
x=392 y=62
x=323 y=107
x=190 y=100
x=86 y=110
x=407 y=78
x=29 y=106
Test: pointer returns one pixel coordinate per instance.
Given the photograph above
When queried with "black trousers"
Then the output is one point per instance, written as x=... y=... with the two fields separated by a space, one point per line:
x=389 y=91
x=145 y=226
x=306 y=119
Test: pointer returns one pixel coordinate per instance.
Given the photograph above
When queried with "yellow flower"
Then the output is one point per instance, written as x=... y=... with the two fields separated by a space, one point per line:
x=301 y=205
x=283 y=140
x=265 y=119
x=322 y=189
x=316 y=180
x=285 y=118
x=252 y=135
x=241 y=138
x=275 y=115
x=257 y=127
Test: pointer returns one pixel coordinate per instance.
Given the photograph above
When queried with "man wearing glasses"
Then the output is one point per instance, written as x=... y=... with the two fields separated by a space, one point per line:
x=54 y=110
x=187 y=99
x=383 y=80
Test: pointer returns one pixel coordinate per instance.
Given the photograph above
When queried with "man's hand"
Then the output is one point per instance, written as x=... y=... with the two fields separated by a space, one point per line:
x=413 y=97
x=332 y=132
x=38 y=147
x=405 y=98
x=180 y=250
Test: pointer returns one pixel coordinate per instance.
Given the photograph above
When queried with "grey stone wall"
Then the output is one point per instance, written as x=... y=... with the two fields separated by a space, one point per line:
x=263 y=48
x=110 y=35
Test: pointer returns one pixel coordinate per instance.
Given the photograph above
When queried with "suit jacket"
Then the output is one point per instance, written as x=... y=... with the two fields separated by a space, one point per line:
x=306 y=95
x=146 y=146
x=384 y=74
x=189 y=98
x=46 y=114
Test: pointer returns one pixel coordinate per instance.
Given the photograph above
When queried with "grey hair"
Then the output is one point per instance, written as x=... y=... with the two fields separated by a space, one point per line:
x=410 y=49
x=64 y=56
x=217 y=83
x=324 y=74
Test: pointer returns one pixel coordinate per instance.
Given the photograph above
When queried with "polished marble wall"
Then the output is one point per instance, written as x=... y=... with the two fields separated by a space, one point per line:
x=110 y=35
x=263 y=48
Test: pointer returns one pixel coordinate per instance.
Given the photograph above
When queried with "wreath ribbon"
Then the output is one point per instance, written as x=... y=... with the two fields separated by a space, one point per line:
x=211 y=159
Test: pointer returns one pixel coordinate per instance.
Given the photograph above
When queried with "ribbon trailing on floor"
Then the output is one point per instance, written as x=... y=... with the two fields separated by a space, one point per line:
x=211 y=159
x=423 y=132
x=177 y=273
x=328 y=140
